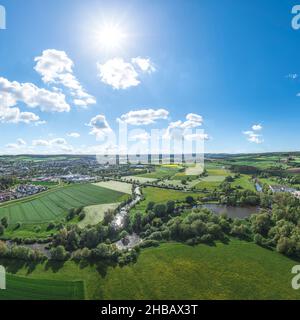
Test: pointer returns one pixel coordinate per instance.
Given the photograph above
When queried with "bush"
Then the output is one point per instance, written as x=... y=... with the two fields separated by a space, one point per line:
x=149 y=243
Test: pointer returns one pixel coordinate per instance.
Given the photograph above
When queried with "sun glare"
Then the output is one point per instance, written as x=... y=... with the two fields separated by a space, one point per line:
x=111 y=37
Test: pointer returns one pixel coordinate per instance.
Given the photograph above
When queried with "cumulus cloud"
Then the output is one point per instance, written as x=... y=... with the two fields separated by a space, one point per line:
x=100 y=127
x=19 y=144
x=144 y=117
x=120 y=74
x=40 y=143
x=12 y=93
x=73 y=135
x=145 y=64
x=254 y=137
x=196 y=136
x=56 y=67
x=257 y=127
x=178 y=129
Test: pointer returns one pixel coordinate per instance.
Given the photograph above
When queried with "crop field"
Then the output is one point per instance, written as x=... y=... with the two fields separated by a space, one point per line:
x=162 y=172
x=215 y=176
x=194 y=170
x=21 y=288
x=116 y=186
x=55 y=203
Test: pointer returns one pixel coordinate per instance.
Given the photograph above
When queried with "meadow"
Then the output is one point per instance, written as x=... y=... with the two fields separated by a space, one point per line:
x=238 y=270
x=95 y=214
x=160 y=195
x=54 y=204
x=22 y=288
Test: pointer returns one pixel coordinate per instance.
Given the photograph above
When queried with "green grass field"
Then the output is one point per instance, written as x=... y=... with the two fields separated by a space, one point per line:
x=245 y=182
x=215 y=176
x=54 y=204
x=95 y=214
x=159 y=195
x=21 y=288
x=239 y=270
x=163 y=171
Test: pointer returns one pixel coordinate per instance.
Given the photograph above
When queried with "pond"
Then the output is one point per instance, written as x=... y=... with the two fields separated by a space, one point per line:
x=232 y=212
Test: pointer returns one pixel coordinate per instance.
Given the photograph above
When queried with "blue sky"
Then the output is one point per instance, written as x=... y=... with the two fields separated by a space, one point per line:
x=234 y=64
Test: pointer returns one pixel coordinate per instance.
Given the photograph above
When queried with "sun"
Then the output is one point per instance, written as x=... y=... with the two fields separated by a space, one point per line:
x=111 y=36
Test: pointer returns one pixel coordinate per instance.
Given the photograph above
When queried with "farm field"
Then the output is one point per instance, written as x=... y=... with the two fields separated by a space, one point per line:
x=194 y=170
x=116 y=186
x=215 y=176
x=54 y=204
x=163 y=171
x=95 y=214
x=21 y=288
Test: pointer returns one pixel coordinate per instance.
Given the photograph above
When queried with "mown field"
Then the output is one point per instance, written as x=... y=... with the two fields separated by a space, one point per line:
x=21 y=288
x=54 y=204
x=238 y=270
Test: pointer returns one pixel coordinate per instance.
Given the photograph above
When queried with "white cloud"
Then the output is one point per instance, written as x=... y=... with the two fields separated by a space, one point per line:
x=73 y=135
x=144 y=117
x=254 y=137
x=56 y=67
x=12 y=93
x=40 y=143
x=257 y=127
x=118 y=74
x=21 y=142
x=196 y=136
x=121 y=74
x=100 y=127
x=178 y=129
x=18 y=145
x=144 y=64
x=58 y=141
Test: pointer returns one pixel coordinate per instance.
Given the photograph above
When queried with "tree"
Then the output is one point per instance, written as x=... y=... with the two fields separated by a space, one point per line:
x=190 y=200
x=160 y=210
x=108 y=216
x=4 y=222
x=150 y=206
x=59 y=253
x=1 y=230
x=170 y=206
